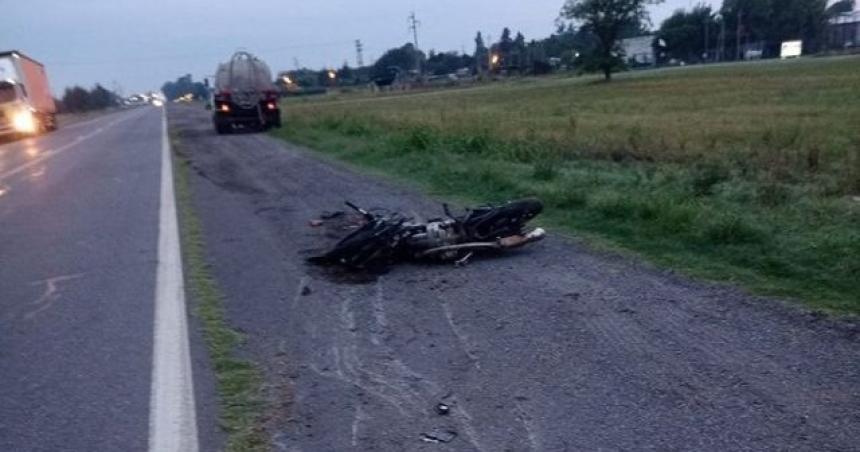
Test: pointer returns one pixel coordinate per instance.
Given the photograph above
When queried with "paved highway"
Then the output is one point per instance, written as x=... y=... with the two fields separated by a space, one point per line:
x=86 y=255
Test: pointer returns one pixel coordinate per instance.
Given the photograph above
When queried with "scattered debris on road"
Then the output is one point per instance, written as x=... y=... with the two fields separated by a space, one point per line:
x=439 y=436
x=443 y=409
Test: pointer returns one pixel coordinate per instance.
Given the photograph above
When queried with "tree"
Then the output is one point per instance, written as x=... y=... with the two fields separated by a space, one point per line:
x=840 y=7
x=480 y=55
x=183 y=86
x=402 y=58
x=684 y=33
x=506 y=43
x=346 y=75
x=77 y=99
x=607 y=20
x=518 y=53
x=447 y=63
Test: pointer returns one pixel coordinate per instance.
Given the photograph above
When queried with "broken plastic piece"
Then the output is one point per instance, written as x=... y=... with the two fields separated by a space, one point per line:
x=443 y=409
x=439 y=436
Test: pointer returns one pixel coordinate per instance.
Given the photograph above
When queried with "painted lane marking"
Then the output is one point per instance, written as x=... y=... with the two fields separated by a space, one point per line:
x=172 y=415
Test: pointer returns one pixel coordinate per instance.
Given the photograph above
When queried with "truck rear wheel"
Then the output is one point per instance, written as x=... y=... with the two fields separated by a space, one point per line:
x=52 y=122
x=223 y=128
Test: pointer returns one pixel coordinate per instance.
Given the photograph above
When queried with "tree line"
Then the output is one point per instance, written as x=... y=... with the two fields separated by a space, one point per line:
x=183 y=86
x=589 y=38
x=704 y=34
x=78 y=99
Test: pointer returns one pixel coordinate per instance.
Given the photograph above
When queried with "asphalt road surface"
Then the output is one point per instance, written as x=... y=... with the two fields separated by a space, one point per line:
x=81 y=216
x=554 y=347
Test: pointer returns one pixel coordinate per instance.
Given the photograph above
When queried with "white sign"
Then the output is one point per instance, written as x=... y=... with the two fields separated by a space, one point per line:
x=791 y=49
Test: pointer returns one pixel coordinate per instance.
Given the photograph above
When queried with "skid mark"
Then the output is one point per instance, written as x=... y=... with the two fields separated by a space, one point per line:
x=356 y=421
x=465 y=420
x=377 y=370
x=464 y=342
x=352 y=382
x=528 y=424
x=378 y=333
x=49 y=295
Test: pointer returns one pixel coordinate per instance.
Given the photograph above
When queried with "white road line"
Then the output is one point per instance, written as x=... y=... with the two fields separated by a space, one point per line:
x=172 y=415
x=53 y=152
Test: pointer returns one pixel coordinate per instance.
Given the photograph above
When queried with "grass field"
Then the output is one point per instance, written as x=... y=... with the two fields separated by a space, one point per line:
x=742 y=173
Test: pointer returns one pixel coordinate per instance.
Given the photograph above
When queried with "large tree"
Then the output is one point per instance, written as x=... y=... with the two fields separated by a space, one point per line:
x=607 y=20
x=399 y=59
x=840 y=7
x=481 y=54
x=685 y=32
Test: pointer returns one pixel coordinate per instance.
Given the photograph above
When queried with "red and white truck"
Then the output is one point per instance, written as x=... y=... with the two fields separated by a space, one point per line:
x=26 y=104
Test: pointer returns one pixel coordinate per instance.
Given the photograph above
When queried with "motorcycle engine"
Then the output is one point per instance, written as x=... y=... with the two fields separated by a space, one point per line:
x=435 y=234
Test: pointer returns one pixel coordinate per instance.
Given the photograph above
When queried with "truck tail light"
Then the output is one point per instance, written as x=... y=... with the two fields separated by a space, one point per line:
x=225 y=108
x=270 y=105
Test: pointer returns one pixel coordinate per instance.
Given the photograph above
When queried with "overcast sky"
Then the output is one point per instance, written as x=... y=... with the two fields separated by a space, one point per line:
x=137 y=44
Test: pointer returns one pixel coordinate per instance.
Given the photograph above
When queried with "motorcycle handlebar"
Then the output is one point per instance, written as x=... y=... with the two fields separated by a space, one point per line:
x=363 y=212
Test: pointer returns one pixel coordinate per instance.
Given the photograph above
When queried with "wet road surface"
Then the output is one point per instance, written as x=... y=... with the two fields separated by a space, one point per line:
x=79 y=231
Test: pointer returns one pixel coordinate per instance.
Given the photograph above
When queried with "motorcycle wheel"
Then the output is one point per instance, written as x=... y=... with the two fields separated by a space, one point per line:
x=363 y=247
x=496 y=222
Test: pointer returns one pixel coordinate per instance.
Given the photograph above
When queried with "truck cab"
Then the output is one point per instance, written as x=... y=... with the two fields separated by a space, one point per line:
x=16 y=114
x=26 y=104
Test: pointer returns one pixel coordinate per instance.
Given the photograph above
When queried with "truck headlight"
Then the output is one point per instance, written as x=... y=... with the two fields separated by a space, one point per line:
x=23 y=121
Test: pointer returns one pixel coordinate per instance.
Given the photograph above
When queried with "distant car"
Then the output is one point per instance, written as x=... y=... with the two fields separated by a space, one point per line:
x=135 y=101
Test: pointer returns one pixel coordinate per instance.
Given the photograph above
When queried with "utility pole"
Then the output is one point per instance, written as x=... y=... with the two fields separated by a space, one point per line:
x=738 y=38
x=413 y=26
x=707 y=54
x=722 y=41
x=359 y=56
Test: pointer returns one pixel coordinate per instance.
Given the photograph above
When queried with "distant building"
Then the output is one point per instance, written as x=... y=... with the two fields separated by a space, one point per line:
x=639 y=51
x=843 y=31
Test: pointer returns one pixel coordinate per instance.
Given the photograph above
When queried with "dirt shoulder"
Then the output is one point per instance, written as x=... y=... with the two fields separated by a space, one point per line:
x=554 y=347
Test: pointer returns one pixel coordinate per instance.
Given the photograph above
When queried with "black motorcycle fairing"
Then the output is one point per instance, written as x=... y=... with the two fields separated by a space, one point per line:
x=494 y=222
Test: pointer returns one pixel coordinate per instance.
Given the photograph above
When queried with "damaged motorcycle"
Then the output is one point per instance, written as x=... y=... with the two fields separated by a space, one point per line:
x=388 y=236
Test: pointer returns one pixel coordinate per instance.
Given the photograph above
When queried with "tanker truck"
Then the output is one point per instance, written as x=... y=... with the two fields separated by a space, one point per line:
x=245 y=95
x=26 y=104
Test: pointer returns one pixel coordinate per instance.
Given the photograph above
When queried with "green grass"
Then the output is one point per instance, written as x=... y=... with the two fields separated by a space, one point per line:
x=742 y=173
x=238 y=380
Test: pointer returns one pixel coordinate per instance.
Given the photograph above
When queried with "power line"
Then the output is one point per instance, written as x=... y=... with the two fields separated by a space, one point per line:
x=190 y=56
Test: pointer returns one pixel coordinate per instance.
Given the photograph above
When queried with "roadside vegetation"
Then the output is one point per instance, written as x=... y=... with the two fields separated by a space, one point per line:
x=742 y=173
x=239 y=382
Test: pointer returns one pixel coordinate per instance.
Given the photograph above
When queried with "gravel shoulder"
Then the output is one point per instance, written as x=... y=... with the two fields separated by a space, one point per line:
x=554 y=347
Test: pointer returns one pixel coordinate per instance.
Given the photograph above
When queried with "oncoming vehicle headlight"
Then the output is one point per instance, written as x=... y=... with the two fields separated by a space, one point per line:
x=23 y=121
